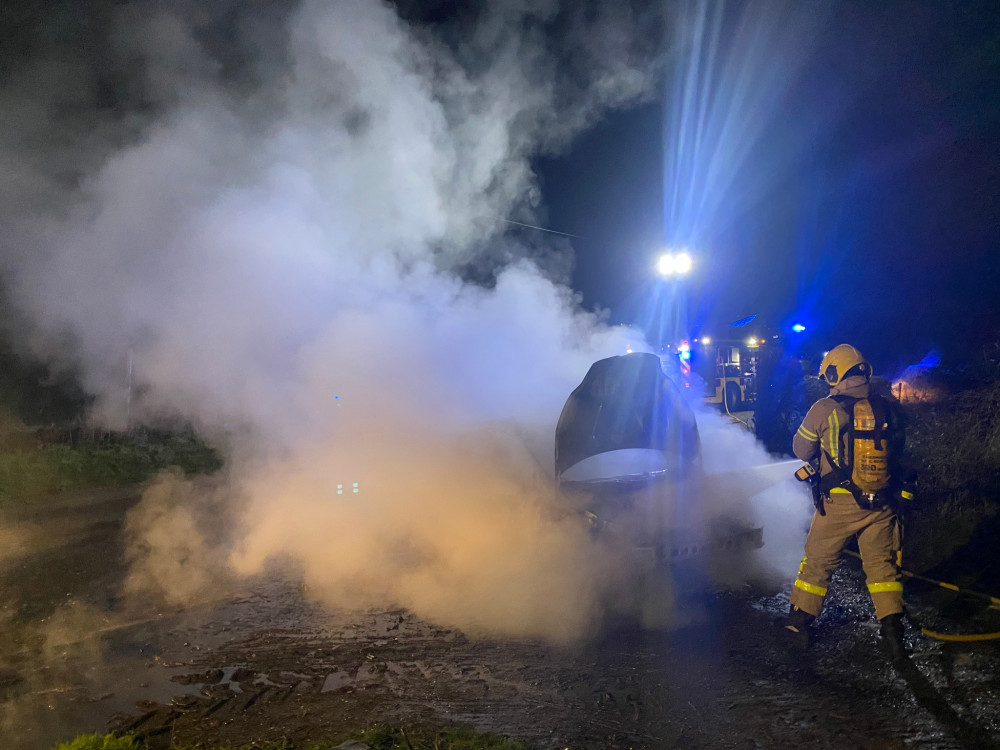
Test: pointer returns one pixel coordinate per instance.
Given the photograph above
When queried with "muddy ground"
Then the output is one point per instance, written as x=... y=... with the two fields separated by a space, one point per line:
x=265 y=662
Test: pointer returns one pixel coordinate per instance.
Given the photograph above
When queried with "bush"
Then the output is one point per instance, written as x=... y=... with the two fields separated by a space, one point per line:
x=954 y=443
x=953 y=440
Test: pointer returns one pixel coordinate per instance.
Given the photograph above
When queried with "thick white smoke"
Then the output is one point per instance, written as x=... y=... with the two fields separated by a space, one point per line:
x=230 y=238
x=272 y=222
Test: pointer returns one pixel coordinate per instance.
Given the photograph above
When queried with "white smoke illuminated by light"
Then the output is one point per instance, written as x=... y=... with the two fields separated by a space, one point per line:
x=278 y=235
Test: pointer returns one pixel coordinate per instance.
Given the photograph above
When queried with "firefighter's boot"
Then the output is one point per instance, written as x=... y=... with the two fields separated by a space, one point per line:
x=892 y=638
x=797 y=624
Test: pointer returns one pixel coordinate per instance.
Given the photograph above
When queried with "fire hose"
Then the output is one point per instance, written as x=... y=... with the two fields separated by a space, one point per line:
x=993 y=600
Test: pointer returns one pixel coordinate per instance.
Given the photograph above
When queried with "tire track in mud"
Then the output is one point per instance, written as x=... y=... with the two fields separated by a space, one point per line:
x=730 y=682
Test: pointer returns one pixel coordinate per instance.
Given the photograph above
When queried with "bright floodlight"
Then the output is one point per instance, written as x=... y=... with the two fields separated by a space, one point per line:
x=798 y=328
x=673 y=264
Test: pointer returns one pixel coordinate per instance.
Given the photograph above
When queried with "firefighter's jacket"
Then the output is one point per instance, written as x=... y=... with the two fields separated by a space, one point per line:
x=824 y=431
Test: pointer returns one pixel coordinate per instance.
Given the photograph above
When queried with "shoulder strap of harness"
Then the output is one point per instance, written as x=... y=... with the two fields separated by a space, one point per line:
x=840 y=475
x=879 y=411
x=848 y=403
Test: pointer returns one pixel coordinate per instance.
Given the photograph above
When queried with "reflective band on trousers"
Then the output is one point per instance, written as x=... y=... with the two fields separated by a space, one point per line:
x=811 y=588
x=906 y=495
x=878 y=588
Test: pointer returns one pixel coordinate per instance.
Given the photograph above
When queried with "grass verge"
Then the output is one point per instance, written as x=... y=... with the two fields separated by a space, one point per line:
x=48 y=469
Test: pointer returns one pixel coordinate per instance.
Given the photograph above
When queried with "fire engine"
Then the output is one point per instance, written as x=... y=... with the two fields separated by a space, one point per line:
x=728 y=367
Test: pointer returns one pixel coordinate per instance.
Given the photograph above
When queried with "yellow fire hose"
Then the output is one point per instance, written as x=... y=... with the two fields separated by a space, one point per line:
x=993 y=600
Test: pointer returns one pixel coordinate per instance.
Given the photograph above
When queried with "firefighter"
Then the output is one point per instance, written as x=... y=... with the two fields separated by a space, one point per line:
x=849 y=433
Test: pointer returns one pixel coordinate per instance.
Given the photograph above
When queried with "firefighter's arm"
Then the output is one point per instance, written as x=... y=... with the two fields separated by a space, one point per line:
x=905 y=477
x=805 y=443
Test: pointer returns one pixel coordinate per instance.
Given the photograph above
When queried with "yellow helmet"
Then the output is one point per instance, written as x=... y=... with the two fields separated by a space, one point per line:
x=840 y=360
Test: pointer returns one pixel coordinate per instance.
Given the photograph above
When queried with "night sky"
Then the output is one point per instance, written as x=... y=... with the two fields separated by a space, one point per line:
x=856 y=178
x=879 y=222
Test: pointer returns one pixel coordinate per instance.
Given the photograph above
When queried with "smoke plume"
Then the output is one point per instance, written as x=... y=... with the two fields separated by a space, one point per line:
x=261 y=218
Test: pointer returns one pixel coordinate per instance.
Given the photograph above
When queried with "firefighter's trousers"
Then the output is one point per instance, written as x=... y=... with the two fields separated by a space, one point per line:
x=878 y=540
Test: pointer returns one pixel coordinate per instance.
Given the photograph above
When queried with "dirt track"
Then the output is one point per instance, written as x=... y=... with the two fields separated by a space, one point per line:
x=265 y=662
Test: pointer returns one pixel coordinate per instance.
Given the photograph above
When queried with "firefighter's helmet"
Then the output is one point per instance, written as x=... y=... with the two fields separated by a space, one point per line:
x=841 y=361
